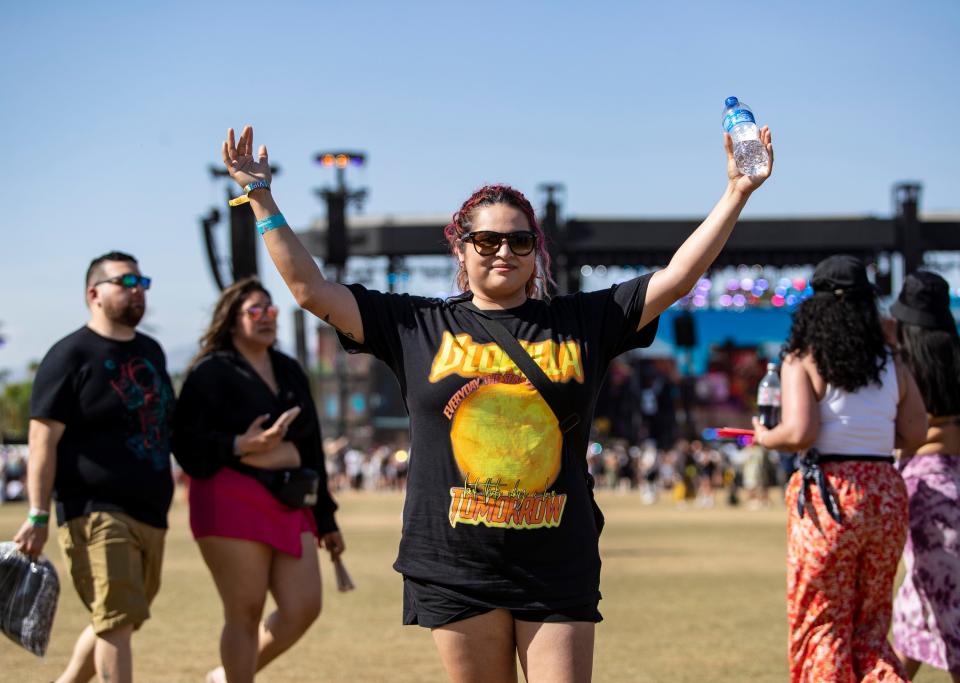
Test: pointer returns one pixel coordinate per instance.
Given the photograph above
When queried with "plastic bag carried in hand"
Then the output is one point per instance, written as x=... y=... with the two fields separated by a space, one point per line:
x=29 y=590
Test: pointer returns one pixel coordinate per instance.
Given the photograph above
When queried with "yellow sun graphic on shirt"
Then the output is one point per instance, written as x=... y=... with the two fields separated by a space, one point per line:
x=507 y=433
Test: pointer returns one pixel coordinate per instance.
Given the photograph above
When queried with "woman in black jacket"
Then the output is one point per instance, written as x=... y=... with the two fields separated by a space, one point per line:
x=245 y=413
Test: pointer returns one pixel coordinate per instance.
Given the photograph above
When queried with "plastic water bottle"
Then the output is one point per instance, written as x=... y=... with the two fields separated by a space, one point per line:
x=748 y=151
x=768 y=398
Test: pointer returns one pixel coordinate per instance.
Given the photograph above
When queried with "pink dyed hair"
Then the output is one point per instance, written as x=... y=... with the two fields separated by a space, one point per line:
x=462 y=222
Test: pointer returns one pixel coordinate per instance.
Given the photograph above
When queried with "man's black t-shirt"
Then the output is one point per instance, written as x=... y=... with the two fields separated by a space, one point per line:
x=116 y=401
x=498 y=507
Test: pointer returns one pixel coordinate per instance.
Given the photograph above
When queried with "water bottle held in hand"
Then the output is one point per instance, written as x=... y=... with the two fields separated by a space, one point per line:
x=748 y=151
x=768 y=397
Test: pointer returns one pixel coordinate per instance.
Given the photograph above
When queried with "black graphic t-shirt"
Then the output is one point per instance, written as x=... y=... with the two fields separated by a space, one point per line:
x=498 y=507
x=116 y=401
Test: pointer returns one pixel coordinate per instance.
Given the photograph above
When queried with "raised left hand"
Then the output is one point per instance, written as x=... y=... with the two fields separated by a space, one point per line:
x=239 y=161
x=747 y=183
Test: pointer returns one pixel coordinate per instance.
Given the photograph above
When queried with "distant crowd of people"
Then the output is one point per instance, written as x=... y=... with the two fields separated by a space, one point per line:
x=13 y=472
x=381 y=468
x=692 y=472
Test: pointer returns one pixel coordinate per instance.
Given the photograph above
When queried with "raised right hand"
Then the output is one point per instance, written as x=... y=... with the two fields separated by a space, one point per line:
x=31 y=539
x=747 y=183
x=259 y=440
x=238 y=158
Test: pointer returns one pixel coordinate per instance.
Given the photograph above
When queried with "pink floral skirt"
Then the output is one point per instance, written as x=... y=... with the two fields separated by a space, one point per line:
x=926 y=612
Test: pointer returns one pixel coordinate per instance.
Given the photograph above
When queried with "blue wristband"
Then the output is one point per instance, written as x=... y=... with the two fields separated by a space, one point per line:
x=245 y=197
x=271 y=223
x=256 y=185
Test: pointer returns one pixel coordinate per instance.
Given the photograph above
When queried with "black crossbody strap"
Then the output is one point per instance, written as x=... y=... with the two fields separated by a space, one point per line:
x=566 y=416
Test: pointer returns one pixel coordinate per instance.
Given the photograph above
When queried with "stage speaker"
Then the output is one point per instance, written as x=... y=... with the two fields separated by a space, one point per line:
x=684 y=331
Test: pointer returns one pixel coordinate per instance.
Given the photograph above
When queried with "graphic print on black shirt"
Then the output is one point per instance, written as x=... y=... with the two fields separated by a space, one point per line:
x=116 y=402
x=147 y=399
x=498 y=507
x=504 y=436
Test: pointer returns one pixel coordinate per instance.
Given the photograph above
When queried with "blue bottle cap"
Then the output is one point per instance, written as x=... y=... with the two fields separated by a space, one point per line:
x=731 y=102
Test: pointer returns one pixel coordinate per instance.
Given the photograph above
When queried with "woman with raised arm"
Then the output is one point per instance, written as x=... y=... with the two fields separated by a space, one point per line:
x=926 y=612
x=499 y=552
x=848 y=403
x=247 y=424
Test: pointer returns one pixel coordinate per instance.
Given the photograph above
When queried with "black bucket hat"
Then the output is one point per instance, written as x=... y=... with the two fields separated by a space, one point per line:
x=839 y=275
x=924 y=301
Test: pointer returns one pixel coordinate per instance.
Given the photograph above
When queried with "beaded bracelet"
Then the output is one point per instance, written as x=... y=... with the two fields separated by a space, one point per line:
x=269 y=223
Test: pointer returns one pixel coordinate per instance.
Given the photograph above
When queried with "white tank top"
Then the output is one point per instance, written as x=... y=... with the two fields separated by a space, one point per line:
x=863 y=422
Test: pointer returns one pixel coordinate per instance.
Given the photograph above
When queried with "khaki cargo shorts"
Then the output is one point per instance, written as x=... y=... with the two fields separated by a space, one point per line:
x=115 y=562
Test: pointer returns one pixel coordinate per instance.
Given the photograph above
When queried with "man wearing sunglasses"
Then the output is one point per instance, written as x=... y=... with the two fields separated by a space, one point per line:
x=101 y=411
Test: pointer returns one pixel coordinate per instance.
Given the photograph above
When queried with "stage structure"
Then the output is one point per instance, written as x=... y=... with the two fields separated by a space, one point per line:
x=361 y=399
x=586 y=240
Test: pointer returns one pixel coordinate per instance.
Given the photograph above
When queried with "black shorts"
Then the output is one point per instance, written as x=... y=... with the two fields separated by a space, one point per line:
x=431 y=606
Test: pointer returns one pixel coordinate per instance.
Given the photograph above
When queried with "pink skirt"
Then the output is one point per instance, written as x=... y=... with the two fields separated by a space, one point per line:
x=926 y=612
x=233 y=505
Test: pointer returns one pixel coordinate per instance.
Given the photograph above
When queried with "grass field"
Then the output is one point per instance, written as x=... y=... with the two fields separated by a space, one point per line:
x=689 y=595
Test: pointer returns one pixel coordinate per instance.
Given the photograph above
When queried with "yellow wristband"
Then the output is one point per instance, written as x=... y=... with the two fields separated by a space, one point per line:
x=245 y=197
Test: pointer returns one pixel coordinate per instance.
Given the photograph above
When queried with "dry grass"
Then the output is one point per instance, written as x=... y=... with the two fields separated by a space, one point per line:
x=690 y=595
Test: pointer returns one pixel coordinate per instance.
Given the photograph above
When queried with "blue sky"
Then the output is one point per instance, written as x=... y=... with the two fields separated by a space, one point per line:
x=112 y=112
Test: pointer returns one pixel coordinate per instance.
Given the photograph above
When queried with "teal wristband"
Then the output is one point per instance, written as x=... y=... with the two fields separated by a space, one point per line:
x=271 y=223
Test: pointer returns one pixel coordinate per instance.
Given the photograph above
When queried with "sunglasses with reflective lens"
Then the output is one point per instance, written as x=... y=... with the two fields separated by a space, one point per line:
x=487 y=242
x=258 y=313
x=127 y=280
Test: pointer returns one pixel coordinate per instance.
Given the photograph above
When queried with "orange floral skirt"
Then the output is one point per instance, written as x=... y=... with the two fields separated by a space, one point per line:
x=840 y=576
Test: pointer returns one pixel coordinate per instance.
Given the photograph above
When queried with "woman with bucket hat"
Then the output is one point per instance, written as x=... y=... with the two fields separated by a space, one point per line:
x=847 y=402
x=926 y=612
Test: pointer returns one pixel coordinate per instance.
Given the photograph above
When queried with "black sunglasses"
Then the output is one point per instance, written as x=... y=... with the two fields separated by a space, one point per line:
x=127 y=280
x=487 y=242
